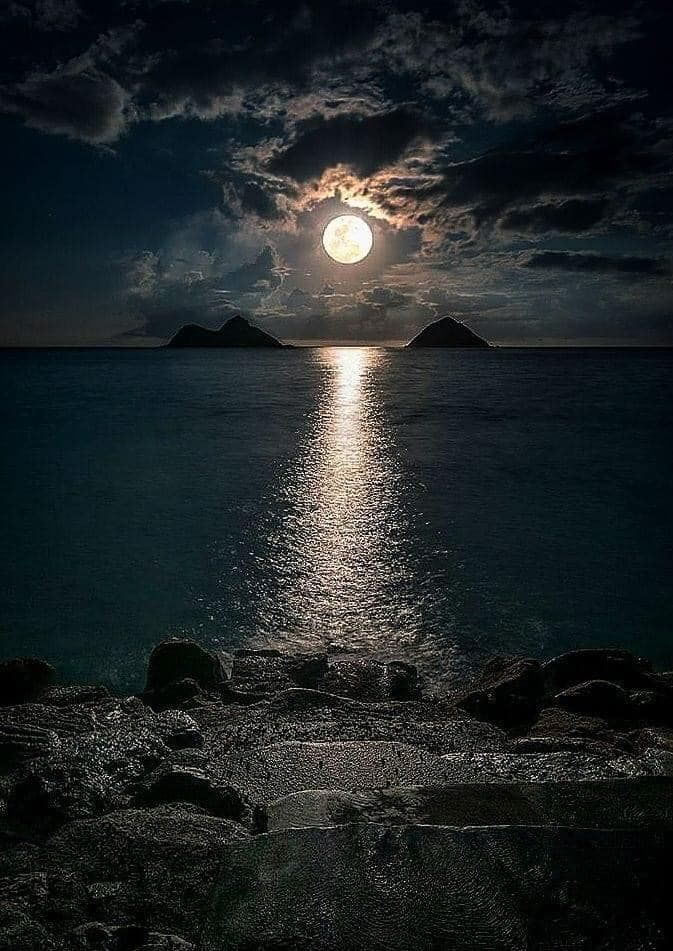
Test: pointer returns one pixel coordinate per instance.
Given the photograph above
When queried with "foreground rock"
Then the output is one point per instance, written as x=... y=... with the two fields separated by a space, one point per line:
x=425 y=887
x=215 y=810
x=610 y=684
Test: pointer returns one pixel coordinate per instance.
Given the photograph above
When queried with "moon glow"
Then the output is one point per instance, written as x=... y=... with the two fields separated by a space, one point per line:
x=347 y=239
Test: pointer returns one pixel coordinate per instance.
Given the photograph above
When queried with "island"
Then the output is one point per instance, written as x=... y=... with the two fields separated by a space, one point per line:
x=237 y=332
x=447 y=332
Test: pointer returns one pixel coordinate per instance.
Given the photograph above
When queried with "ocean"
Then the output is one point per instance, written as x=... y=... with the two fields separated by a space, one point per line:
x=435 y=506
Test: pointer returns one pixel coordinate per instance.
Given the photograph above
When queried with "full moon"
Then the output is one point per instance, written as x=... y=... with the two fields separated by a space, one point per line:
x=347 y=239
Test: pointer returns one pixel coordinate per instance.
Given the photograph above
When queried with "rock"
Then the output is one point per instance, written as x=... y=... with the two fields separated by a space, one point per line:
x=154 y=866
x=632 y=803
x=86 y=773
x=274 y=771
x=182 y=784
x=406 y=888
x=236 y=332
x=267 y=671
x=20 y=932
x=576 y=667
x=447 y=332
x=368 y=680
x=178 y=730
x=508 y=692
x=19 y=742
x=95 y=936
x=36 y=908
x=174 y=694
x=561 y=723
x=595 y=697
x=70 y=694
x=23 y=679
x=180 y=659
x=653 y=706
x=401 y=681
x=47 y=798
x=300 y=714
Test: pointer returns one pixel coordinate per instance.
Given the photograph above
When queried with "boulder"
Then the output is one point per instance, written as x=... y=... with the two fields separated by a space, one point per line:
x=182 y=659
x=600 y=698
x=176 y=694
x=507 y=692
x=577 y=667
x=184 y=784
x=23 y=679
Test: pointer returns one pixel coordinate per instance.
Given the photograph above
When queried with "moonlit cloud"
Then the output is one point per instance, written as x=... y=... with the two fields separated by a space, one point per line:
x=504 y=157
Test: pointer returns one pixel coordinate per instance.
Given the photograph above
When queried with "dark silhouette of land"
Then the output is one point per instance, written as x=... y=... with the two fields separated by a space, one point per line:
x=237 y=332
x=447 y=332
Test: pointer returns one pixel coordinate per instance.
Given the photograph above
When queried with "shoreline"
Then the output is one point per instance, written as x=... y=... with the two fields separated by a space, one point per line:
x=199 y=813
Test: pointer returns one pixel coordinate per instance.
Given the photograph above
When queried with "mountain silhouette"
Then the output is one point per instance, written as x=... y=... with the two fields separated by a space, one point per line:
x=447 y=332
x=237 y=332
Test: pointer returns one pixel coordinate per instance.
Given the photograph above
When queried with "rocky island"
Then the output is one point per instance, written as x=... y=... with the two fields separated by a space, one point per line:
x=447 y=332
x=237 y=332
x=262 y=801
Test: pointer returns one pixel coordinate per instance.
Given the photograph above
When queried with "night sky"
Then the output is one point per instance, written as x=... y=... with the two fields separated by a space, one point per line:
x=173 y=162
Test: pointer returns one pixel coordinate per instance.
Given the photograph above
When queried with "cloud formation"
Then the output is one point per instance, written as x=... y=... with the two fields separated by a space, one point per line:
x=500 y=153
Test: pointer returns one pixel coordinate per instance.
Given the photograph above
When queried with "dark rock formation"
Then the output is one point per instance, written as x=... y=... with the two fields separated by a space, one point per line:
x=447 y=332
x=610 y=684
x=237 y=332
x=595 y=697
x=576 y=667
x=128 y=823
x=185 y=784
x=175 y=663
x=508 y=691
x=23 y=679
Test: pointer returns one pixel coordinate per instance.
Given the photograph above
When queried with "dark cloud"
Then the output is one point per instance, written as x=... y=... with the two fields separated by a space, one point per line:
x=597 y=263
x=484 y=143
x=573 y=215
x=263 y=274
x=78 y=100
x=364 y=143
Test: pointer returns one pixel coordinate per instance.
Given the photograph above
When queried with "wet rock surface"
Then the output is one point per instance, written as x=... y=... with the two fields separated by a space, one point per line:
x=215 y=810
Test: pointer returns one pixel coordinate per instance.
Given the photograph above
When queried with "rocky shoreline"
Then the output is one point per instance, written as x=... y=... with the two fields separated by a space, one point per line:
x=327 y=802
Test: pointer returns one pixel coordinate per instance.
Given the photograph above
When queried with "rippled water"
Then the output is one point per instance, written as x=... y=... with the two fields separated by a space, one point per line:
x=439 y=506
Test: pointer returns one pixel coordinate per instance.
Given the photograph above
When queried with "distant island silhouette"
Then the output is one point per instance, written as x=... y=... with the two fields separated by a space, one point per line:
x=237 y=332
x=447 y=332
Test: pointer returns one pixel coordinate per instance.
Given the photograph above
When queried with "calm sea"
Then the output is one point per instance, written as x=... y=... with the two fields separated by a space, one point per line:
x=439 y=506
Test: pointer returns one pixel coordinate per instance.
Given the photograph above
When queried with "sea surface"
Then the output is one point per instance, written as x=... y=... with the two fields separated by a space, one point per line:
x=439 y=506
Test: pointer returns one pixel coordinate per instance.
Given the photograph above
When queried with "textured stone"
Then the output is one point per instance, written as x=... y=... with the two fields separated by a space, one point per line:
x=606 y=804
x=596 y=698
x=177 y=659
x=417 y=888
x=576 y=667
x=153 y=866
x=182 y=784
x=275 y=771
x=508 y=691
x=312 y=715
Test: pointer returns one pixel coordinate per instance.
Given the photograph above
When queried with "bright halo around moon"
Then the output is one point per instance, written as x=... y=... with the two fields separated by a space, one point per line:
x=347 y=239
